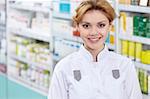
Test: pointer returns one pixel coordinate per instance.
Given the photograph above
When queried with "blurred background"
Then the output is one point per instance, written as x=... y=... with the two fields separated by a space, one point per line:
x=36 y=34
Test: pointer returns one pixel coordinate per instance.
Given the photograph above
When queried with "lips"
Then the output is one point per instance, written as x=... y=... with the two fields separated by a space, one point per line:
x=94 y=39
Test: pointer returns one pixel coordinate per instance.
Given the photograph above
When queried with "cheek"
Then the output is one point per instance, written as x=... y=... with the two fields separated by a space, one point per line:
x=105 y=32
x=83 y=33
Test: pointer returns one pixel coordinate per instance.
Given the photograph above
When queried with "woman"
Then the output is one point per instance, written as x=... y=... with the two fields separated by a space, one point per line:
x=93 y=72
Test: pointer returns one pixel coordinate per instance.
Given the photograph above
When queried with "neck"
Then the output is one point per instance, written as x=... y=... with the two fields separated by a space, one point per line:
x=95 y=52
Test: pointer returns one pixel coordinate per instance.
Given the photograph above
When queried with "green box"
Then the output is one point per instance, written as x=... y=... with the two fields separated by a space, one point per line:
x=135 y=25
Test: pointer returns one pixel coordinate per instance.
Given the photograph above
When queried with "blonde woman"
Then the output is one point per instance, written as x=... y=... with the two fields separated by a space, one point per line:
x=93 y=72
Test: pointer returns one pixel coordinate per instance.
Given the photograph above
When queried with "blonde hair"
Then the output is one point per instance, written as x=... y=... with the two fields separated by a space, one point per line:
x=87 y=5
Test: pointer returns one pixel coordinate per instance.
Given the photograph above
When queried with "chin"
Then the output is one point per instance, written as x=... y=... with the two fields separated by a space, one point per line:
x=93 y=47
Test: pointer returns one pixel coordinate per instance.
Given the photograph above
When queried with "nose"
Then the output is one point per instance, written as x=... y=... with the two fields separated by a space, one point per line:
x=94 y=31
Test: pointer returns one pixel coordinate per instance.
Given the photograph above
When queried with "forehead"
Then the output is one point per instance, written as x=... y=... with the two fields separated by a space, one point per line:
x=94 y=16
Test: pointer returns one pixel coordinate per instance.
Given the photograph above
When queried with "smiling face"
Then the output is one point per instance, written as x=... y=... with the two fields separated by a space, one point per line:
x=93 y=29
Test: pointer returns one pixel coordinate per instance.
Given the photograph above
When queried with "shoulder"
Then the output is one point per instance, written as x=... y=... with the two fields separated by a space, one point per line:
x=122 y=61
x=118 y=57
x=65 y=64
x=124 y=64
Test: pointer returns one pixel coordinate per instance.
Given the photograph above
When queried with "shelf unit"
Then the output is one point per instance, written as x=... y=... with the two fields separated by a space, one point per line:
x=3 y=36
x=33 y=64
x=2 y=22
x=130 y=9
x=70 y=37
x=62 y=16
x=34 y=34
x=135 y=38
x=134 y=8
x=128 y=37
x=143 y=66
x=30 y=8
x=27 y=32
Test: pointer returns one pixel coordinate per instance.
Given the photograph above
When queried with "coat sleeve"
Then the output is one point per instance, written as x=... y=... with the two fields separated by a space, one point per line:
x=58 y=86
x=132 y=83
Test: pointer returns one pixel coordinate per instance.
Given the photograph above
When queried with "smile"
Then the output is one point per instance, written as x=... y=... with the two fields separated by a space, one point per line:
x=94 y=40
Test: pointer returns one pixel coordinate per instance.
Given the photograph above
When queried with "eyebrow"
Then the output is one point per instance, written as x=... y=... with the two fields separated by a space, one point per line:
x=89 y=22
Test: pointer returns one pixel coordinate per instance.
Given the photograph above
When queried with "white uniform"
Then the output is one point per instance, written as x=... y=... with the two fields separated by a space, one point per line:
x=78 y=77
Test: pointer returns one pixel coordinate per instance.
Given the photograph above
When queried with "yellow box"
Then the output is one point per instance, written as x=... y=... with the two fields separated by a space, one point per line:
x=112 y=39
x=145 y=83
x=131 y=50
x=145 y=57
x=138 y=51
x=123 y=24
x=124 y=48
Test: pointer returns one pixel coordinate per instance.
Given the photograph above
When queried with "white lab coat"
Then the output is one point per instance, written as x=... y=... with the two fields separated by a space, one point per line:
x=94 y=80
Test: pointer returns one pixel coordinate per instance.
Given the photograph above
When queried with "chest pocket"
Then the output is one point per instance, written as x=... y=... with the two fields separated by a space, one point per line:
x=114 y=87
x=79 y=89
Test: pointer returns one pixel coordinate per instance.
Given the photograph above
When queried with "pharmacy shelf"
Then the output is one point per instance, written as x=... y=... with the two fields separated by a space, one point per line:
x=28 y=84
x=64 y=16
x=133 y=8
x=26 y=32
x=143 y=66
x=68 y=37
x=135 y=39
x=33 y=64
x=146 y=96
x=2 y=28
x=2 y=22
x=30 y=8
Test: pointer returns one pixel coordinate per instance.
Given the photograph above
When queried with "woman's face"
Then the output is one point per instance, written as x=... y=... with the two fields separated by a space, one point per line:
x=93 y=29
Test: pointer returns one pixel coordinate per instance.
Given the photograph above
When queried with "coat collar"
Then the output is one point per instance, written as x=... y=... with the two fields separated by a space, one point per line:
x=88 y=56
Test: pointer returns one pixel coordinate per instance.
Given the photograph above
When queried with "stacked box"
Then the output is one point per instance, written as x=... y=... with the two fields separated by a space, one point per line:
x=145 y=83
x=141 y=77
x=138 y=51
x=123 y=24
x=132 y=50
x=149 y=3
x=148 y=73
x=122 y=1
x=125 y=1
x=112 y=39
x=129 y=21
x=145 y=57
x=124 y=48
x=142 y=26
x=148 y=28
x=135 y=2
x=135 y=25
x=143 y=2
x=64 y=7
